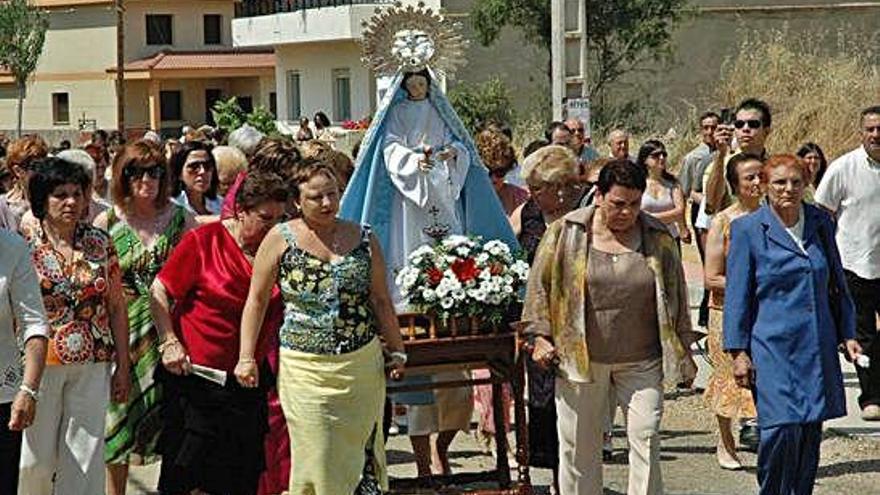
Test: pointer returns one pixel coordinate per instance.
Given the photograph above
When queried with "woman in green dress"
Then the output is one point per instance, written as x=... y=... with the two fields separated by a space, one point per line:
x=144 y=226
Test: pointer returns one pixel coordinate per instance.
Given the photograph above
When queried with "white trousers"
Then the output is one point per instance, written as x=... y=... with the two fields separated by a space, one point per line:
x=582 y=409
x=66 y=440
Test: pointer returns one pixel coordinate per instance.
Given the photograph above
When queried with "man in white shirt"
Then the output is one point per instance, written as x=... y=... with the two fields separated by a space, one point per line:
x=851 y=190
x=22 y=318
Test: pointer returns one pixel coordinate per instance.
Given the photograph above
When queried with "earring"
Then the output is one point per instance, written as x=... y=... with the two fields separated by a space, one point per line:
x=560 y=196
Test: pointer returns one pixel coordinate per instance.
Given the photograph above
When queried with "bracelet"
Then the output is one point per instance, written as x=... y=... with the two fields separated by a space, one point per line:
x=399 y=356
x=168 y=343
x=30 y=392
x=247 y=361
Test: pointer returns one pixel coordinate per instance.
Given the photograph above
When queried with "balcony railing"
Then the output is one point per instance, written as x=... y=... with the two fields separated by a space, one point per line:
x=253 y=8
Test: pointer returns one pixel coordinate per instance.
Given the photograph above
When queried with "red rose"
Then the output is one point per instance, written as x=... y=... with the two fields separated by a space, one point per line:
x=434 y=275
x=465 y=270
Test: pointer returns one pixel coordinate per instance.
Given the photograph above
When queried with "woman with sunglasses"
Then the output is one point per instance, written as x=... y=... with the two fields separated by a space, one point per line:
x=144 y=226
x=194 y=180
x=663 y=196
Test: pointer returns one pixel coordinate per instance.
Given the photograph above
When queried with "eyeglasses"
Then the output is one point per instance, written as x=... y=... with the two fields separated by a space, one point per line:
x=659 y=154
x=132 y=172
x=194 y=166
x=752 y=123
x=576 y=130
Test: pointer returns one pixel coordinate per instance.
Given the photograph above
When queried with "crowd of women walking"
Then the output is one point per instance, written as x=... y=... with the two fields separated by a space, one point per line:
x=207 y=306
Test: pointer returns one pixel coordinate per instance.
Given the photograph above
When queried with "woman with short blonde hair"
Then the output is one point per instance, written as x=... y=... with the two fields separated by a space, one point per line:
x=230 y=162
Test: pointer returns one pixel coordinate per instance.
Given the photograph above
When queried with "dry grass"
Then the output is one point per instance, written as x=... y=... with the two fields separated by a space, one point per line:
x=816 y=84
x=815 y=95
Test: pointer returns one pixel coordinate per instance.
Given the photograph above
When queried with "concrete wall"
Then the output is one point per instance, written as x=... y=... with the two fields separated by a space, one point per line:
x=187 y=25
x=315 y=63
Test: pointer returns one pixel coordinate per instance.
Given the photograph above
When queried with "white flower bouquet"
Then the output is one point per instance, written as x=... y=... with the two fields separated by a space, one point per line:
x=463 y=277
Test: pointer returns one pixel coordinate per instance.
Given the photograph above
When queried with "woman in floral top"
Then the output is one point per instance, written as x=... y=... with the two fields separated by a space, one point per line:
x=336 y=303
x=81 y=286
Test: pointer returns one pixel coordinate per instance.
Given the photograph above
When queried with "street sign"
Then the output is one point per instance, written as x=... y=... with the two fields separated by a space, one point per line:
x=579 y=108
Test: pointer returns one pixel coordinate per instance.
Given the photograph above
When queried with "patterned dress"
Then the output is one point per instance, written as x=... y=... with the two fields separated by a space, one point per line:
x=133 y=428
x=723 y=395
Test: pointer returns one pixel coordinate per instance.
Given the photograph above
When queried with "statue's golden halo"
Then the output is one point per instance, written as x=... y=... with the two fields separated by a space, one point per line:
x=410 y=39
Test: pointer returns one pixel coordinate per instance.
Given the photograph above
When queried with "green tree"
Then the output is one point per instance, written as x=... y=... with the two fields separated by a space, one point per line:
x=22 y=34
x=476 y=103
x=623 y=36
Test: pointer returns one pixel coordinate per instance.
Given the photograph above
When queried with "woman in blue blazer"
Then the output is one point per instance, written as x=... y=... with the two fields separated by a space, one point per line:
x=784 y=276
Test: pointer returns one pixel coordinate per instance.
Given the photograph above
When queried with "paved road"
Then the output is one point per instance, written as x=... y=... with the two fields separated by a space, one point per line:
x=850 y=460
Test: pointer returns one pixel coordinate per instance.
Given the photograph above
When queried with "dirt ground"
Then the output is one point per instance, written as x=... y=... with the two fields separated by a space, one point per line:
x=848 y=465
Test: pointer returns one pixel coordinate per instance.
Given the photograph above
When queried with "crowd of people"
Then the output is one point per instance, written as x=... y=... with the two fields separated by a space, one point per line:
x=226 y=303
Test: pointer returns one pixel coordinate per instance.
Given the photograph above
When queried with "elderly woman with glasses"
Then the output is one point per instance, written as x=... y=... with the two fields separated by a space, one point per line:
x=194 y=179
x=787 y=308
x=144 y=226
x=498 y=156
x=213 y=433
x=81 y=285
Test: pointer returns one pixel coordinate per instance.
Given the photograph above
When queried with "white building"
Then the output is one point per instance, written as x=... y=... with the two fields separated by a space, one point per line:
x=317 y=54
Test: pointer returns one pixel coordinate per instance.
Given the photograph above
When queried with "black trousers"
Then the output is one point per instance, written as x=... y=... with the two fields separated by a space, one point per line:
x=10 y=452
x=866 y=295
x=703 y=314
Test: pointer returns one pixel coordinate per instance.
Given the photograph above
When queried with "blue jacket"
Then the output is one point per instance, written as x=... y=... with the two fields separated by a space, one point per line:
x=776 y=307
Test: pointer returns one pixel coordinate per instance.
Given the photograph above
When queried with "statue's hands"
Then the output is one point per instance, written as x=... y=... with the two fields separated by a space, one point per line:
x=426 y=164
x=448 y=153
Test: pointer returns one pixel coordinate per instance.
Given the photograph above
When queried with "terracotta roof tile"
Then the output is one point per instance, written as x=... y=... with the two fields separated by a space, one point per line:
x=166 y=60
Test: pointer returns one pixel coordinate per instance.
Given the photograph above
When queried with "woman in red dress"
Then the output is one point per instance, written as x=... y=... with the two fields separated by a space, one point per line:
x=214 y=433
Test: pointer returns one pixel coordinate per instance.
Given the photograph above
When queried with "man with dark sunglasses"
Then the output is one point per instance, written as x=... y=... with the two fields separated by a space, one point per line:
x=580 y=141
x=746 y=134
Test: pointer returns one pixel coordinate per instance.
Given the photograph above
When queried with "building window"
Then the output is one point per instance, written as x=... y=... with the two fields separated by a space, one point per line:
x=341 y=95
x=159 y=30
x=273 y=104
x=169 y=105
x=212 y=96
x=213 y=29
x=245 y=103
x=294 y=99
x=60 y=108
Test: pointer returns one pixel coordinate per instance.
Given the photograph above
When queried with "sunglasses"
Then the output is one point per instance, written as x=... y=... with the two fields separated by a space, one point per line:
x=659 y=154
x=752 y=123
x=195 y=166
x=132 y=172
x=576 y=130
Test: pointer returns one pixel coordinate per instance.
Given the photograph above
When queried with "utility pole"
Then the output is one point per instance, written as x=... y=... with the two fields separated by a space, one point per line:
x=568 y=53
x=120 y=66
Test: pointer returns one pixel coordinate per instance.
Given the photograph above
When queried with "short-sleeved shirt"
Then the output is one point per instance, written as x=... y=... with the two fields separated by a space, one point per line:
x=208 y=276
x=694 y=167
x=76 y=295
x=20 y=306
x=851 y=188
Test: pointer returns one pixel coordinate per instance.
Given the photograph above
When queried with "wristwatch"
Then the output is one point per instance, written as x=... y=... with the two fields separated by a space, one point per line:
x=399 y=356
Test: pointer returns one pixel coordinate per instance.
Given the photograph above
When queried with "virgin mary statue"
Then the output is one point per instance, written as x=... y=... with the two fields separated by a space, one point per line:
x=418 y=176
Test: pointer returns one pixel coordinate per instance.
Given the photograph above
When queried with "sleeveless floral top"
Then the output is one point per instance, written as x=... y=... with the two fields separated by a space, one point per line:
x=327 y=307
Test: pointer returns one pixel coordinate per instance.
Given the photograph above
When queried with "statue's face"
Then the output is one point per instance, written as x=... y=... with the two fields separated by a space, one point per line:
x=417 y=87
